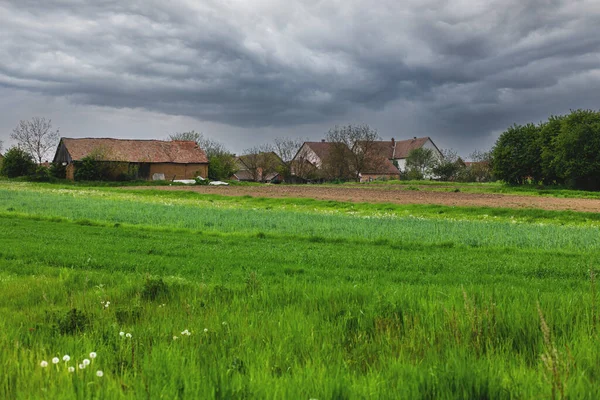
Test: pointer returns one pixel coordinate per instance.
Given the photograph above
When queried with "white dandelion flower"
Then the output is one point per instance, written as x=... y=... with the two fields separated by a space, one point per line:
x=128 y=335
x=175 y=338
x=81 y=366
x=55 y=360
x=71 y=369
x=99 y=374
x=93 y=354
x=66 y=358
x=86 y=362
x=121 y=334
x=44 y=364
x=205 y=330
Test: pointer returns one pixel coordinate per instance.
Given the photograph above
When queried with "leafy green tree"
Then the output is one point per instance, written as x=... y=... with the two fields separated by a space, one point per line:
x=516 y=154
x=550 y=131
x=17 y=162
x=354 y=149
x=577 y=150
x=449 y=167
x=420 y=162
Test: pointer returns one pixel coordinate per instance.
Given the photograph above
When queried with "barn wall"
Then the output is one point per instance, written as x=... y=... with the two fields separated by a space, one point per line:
x=179 y=171
x=70 y=172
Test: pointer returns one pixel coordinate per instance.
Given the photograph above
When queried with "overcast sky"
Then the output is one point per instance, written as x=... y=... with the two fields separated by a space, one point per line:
x=246 y=71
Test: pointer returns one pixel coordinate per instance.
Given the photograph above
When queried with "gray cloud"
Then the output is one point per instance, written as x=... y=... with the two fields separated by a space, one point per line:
x=458 y=71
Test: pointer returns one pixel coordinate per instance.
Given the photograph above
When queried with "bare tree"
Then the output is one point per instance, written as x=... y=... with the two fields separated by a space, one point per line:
x=260 y=161
x=36 y=137
x=286 y=149
x=190 y=135
x=354 y=149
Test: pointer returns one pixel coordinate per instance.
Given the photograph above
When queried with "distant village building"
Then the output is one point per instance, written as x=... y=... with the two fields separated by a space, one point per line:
x=177 y=159
x=260 y=167
x=398 y=150
x=312 y=158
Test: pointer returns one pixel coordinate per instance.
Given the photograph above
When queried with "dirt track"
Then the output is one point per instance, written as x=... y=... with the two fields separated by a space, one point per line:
x=398 y=196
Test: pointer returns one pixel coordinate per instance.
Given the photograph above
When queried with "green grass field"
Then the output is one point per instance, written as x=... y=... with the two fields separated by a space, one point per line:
x=287 y=298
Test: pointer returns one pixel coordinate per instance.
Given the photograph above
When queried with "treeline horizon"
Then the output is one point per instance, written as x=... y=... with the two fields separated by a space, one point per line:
x=564 y=150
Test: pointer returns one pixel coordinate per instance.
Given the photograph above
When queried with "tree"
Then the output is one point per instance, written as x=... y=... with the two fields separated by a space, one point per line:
x=190 y=135
x=36 y=137
x=448 y=168
x=286 y=149
x=517 y=157
x=17 y=162
x=420 y=163
x=260 y=161
x=577 y=150
x=354 y=149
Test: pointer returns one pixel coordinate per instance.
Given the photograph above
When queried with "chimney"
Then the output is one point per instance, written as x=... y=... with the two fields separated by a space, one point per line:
x=414 y=138
x=322 y=140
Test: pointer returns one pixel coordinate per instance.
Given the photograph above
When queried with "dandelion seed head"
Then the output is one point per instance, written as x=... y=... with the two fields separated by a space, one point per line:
x=205 y=330
x=44 y=364
x=93 y=354
x=81 y=366
x=86 y=362
x=99 y=374
x=71 y=369
x=121 y=334
x=66 y=358
x=128 y=335
x=55 y=360
x=175 y=338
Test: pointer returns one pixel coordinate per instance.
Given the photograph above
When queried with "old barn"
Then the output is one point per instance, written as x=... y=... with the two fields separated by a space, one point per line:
x=142 y=159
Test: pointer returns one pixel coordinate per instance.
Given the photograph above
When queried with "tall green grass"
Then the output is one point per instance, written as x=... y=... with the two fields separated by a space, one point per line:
x=315 y=306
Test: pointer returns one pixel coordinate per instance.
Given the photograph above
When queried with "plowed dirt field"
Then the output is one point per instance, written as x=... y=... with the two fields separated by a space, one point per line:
x=395 y=195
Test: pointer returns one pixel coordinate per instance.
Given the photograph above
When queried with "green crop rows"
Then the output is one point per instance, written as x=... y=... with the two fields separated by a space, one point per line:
x=195 y=296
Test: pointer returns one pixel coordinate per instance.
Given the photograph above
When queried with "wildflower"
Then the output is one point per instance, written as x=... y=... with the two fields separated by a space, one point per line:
x=81 y=366
x=99 y=374
x=86 y=362
x=175 y=338
x=93 y=354
x=71 y=369
x=128 y=335
x=205 y=330
x=66 y=358
x=55 y=360
x=44 y=364
x=223 y=323
x=121 y=334
x=186 y=333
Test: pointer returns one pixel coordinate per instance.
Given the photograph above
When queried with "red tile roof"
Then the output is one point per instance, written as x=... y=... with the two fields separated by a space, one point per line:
x=150 y=151
x=400 y=148
x=382 y=166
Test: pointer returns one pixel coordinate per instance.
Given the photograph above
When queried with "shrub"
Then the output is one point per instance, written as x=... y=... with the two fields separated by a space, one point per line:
x=17 y=162
x=154 y=289
x=40 y=174
x=73 y=322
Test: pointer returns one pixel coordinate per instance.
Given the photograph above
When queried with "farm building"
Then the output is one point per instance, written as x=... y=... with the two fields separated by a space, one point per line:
x=140 y=159
x=397 y=150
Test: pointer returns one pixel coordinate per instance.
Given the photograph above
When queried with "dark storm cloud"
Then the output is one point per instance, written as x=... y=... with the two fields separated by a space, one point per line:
x=467 y=68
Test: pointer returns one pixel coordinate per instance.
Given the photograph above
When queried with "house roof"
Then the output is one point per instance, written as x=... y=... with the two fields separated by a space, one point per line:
x=321 y=149
x=400 y=148
x=152 y=151
x=382 y=166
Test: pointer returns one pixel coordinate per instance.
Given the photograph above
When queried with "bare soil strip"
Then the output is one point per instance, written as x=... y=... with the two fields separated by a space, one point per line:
x=372 y=195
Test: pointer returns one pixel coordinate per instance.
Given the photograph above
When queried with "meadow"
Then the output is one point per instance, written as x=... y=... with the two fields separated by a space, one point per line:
x=182 y=295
